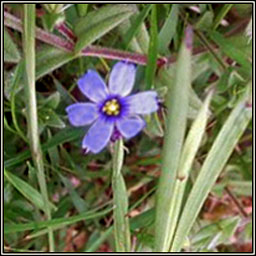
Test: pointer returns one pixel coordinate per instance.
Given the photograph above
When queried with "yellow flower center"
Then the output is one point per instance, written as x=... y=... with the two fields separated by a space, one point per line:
x=112 y=107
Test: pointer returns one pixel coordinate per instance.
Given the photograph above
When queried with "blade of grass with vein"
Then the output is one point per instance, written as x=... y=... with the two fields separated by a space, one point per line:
x=94 y=246
x=97 y=23
x=29 y=55
x=50 y=58
x=168 y=30
x=190 y=148
x=132 y=32
x=66 y=135
x=55 y=223
x=177 y=105
x=152 y=50
x=26 y=190
x=231 y=51
x=120 y=198
x=215 y=161
x=221 y=15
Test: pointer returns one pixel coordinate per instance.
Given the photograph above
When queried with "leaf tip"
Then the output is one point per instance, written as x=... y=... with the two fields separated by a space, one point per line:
x=189 y=37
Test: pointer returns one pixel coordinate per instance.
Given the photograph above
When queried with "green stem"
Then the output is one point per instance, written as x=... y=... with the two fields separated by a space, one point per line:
x=35 y=147
x=120 y=198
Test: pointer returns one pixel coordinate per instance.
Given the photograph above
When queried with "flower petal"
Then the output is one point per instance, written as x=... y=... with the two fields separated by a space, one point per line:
x=143 y=103
x=93 y=86
x=131 y=126
x=80 y=114
x=98 y=136
x=122 y=78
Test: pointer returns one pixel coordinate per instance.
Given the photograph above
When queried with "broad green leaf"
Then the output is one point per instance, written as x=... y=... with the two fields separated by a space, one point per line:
x=50 y=58
x=215 y=161
x=168 y=30
x=177 y=106
x=11 y=52
x=26 y=190
x=97 y=23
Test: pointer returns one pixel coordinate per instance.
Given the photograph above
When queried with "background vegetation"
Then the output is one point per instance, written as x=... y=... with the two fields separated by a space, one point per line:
x=188 y=176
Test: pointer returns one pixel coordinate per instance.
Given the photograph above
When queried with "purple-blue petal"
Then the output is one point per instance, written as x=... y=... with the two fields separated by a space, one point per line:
x=143 y=103
x=93 y=86
x=122 y=78
x=80 y=114
x=98 y=136
x=130 y=127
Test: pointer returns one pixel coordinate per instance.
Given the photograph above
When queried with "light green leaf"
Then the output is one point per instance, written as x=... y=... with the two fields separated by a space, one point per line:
x=97 y=23
x=214 y=163
x=11 y=53
x=50 y=58
x=50 y=118
x=52 y=101
x=55 y=223
x=168 y=30
x=177 y=105
x=189 y=150
x=214 y=234
x=26 y=190
x=120 y=198
x=136 y=25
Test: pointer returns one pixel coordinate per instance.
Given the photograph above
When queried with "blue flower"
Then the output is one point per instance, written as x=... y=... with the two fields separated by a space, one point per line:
x=111 y=111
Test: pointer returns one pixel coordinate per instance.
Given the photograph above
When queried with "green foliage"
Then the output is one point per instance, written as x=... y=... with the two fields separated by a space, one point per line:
x=11 y=52
x=164 y=190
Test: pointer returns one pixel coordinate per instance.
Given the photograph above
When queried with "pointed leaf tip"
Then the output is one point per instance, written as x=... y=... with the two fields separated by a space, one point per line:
x=189 y=37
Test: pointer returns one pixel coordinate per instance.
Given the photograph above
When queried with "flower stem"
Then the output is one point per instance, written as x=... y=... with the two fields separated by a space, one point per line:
x=29 y=55
x=120 y=198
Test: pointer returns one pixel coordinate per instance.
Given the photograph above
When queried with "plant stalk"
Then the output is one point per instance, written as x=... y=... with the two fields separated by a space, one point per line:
x=32 y=119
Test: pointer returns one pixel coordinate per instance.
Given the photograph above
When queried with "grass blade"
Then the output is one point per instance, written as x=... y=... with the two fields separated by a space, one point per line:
x=54 y=223
x=97 y=23
x=50 y=58
x=120 y=198
x=216 y=159
x=221 y=15
x=168 y=30
x=29 y=55
x=152 y=50
x=132 y=32
x=66 y=135
x=189 y=151
x=177 y=100
x=231 y=51
x=26 y=190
